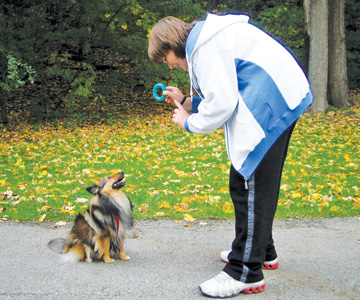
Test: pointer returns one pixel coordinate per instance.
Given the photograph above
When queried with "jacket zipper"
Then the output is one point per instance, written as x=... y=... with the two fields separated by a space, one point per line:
x=246 y=184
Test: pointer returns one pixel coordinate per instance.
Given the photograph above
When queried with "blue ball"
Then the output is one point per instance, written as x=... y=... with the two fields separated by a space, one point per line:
x=156 y=86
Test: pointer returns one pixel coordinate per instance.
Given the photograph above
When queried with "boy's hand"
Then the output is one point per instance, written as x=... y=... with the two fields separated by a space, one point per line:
x=172 y=93
x=180 y=115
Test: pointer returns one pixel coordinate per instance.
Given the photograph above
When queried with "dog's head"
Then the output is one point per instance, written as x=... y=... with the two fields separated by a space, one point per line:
x=108 y=183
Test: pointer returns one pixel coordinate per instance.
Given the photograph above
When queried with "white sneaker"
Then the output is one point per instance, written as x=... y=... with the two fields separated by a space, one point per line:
x=224 y=256
x=224 y=286
x=269 y=265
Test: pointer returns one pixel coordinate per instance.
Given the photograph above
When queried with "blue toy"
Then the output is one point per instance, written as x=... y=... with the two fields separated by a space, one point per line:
x=156 y=87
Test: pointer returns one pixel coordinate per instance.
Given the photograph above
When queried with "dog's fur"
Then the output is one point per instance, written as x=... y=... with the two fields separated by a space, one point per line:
x=102 y=228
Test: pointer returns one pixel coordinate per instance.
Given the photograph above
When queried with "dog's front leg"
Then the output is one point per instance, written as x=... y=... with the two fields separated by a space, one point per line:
x=123 y=255
x=104 y=249
x=88 y=252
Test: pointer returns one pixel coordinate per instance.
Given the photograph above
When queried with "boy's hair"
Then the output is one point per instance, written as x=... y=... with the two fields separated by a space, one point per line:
x=168 y=34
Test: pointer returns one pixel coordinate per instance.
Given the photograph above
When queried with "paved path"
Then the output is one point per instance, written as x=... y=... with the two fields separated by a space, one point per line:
x=319 y=259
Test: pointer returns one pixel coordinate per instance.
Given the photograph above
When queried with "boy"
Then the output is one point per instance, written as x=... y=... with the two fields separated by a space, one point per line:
x=252 y=87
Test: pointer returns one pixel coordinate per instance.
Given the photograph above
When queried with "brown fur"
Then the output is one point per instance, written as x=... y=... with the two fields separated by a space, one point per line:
x=95 y=233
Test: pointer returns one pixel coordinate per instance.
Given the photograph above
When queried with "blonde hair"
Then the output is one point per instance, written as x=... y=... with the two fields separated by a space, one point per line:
x=169 y=33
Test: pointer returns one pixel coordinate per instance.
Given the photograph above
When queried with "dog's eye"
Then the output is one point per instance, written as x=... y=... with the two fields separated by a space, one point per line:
x=109 y=177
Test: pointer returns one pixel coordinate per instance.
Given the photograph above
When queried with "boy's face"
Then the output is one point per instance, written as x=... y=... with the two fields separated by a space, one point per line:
x=175 y=62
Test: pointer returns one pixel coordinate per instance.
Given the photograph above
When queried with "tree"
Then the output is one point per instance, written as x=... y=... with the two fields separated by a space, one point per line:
x=327 y=58
x=338 y=94
x=85 y=52
x=316 y=15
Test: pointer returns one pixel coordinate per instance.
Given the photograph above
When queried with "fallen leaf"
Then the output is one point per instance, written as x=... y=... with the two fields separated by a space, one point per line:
x=42 y=218
x=189 y=218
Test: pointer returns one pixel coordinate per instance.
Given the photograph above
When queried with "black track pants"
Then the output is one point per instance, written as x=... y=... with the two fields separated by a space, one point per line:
x=255 y=203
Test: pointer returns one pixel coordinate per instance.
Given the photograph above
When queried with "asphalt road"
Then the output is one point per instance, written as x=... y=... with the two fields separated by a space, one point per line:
x=319 y=259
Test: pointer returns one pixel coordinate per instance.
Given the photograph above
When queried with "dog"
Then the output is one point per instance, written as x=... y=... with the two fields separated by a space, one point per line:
x=102 y=228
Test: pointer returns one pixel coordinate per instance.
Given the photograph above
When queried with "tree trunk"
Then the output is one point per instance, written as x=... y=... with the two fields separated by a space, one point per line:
x=3 y=109
x=317 y=26
x=338 y=94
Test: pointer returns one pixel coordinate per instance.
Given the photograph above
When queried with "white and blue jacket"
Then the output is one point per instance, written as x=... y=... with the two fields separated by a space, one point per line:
x=249 y=84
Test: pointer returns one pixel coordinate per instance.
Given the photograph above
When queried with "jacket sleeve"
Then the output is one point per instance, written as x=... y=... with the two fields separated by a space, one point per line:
x=215 y=73
x=195 y=104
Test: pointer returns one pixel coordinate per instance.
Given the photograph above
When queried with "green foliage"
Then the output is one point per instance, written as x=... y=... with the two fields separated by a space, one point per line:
x=56 y=38
x=286 y=24
x=16 y=74
x=283 y=19
x=352 y=12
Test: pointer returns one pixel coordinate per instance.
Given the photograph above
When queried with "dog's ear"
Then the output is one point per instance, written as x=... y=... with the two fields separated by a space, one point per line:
x=94 y=189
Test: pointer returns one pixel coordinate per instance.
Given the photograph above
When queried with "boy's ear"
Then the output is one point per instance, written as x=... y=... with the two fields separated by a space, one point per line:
x=94 y=189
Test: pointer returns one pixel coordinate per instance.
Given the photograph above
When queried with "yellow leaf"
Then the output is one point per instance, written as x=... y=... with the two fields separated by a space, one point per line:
x=165 y=205
x=296 y=195
x=189 y=218
x=334 y=208
x=223 y=168
x=200 y=198
x=124 y=26
x=46 y=207
x=180 y=173
x=42 y=218
x=227 y=207
x=316 y=196
x=187 y=225
x=347 y=157
x=144 y=207
x=66 y=211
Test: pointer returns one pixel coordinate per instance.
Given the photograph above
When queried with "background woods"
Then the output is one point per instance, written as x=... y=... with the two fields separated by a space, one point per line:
x=76 y=105
x=79 y=60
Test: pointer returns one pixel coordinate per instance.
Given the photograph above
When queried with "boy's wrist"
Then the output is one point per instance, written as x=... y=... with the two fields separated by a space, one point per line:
x=183 y=100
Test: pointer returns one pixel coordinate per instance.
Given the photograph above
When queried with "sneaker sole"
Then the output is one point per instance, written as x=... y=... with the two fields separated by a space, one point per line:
x=264 y=266
x=270 y=266
x=252 y=290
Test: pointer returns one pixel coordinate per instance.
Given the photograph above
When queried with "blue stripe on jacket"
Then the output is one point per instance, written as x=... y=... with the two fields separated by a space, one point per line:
x=268 y=106
x=260 y=93
x=272 y=134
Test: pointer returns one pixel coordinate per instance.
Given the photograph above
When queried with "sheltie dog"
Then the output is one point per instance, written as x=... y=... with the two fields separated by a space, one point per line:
x=102 y=228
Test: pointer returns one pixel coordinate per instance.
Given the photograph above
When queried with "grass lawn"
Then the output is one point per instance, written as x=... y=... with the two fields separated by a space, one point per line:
x=172 y=174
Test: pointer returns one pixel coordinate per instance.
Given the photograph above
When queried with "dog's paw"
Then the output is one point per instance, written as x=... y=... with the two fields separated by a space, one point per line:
x=109 y=260
x=127 y=257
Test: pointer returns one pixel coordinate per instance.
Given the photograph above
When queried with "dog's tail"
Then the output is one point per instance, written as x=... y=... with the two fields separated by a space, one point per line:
x=57 y=245
x=76 y=253
x=72 y=255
